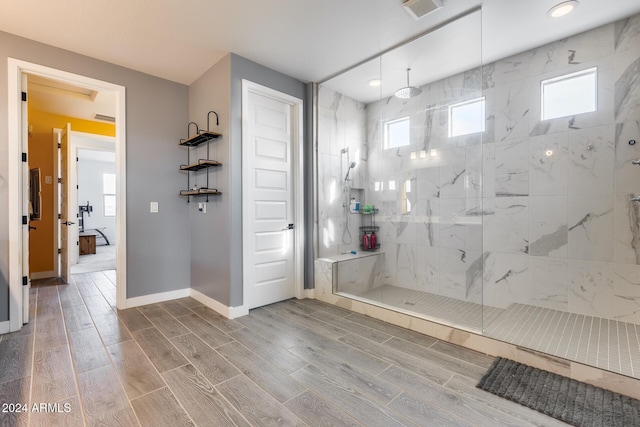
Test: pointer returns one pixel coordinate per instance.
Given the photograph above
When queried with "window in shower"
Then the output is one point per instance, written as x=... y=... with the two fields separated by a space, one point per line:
x=109 y=193
x=397 y=133
x=569 y=94
x=466 y=117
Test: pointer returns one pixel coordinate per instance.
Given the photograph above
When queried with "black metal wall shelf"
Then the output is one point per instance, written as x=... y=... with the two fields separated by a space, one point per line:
x=201 y=164
x=200 y=137
x=200 y=192
x=370 y=249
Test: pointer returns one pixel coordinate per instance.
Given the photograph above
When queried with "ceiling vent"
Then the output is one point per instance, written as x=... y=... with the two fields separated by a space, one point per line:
x=420 y=8
x=105 y=118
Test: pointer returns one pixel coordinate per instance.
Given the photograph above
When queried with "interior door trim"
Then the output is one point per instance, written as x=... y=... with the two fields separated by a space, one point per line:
x=15 y=69
x=297 y=115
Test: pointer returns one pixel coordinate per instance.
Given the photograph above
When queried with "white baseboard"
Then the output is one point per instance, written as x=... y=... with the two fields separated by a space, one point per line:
x=43 y=275
x=4 y=327
x=156 y=298
x=228 y=312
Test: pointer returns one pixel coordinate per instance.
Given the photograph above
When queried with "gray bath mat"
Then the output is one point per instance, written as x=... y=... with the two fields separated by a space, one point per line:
x=568 y=400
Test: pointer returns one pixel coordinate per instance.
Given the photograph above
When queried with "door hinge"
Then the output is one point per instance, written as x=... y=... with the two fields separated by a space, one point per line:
x=77 y=243
x=59 y=145
x=24 y=96
x=59 y=251
x=24 y=157
x=77 y=187
x=59 y=180
x=59 y=216
x=25 y=220
x=77 y=159
x=25 y=280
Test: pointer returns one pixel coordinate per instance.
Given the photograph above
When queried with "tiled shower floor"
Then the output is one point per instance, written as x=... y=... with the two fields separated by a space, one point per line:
x=606 y=344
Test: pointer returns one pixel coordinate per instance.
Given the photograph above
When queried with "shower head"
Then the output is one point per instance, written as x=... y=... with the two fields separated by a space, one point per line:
x=408 y=91
x=351 y=166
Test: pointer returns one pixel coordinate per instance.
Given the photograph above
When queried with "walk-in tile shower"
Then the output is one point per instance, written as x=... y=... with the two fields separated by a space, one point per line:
x=502 y=193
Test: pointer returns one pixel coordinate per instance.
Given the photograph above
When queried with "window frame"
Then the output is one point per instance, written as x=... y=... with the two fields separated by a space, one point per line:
x=482 y=100
x=386 y=132
x=546 y=82
x=106 y=194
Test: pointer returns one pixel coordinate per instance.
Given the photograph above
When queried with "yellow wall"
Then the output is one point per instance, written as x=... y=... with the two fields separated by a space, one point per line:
x=41 y=243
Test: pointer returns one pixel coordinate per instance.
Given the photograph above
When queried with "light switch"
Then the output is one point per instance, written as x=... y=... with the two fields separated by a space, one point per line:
x=48 y=180
x=153 y=207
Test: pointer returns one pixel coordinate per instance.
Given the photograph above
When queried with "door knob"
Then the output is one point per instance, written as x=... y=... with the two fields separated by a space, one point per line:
x=635 y=162
x=68 y=223
x=31 y=227
x=288 y=227
x=635 y=199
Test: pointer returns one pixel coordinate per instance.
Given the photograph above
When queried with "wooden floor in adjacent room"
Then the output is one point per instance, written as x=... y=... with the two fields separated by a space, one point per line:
x=298 y=362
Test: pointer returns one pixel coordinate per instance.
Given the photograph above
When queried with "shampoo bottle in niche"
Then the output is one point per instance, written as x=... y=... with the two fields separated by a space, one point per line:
x=365 y=241
x=354 y=206
x=373 y=241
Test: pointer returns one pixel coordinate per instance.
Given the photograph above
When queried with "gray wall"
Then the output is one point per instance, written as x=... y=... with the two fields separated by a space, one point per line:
x=158 y=244
x=210 y=238
x=309 y=205
x=216 y=237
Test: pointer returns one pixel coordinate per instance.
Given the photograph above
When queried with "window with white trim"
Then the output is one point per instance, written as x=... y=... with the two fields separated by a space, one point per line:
x=397 y=133
x=466 y=117
x=109 y=193
x=569 y=94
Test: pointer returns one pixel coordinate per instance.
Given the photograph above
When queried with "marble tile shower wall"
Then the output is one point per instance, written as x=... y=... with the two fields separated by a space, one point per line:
x=493 y=218
x=341 y=125
x=559 y=228
x=437 y=246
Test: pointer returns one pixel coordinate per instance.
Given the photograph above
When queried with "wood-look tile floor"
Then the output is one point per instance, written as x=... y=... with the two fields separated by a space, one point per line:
x=298 y=362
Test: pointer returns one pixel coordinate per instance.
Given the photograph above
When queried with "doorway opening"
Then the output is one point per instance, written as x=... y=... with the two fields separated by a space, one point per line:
x=95 y=201
x=19 y=73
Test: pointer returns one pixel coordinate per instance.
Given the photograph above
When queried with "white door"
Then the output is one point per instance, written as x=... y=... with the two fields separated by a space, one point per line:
x=268 y=197
x=26 y=212
x=66 y=211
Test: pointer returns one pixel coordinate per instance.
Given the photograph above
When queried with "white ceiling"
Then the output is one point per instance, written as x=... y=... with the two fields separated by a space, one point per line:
x=501 y=29
x=64 y=99
x=308 y=40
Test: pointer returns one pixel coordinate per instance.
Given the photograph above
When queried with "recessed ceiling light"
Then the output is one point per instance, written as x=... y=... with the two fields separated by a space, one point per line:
x=375 y=82
x=562 y=9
